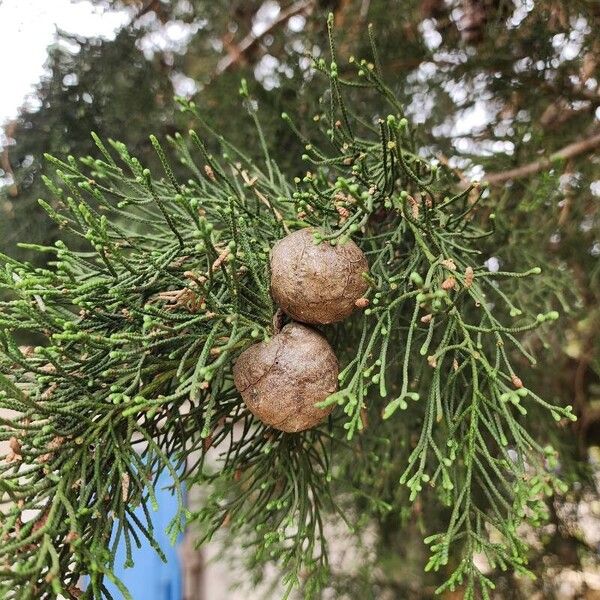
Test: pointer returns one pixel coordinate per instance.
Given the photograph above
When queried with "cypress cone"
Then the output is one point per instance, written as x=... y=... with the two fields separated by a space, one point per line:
x=282 y=379
x=316 y=283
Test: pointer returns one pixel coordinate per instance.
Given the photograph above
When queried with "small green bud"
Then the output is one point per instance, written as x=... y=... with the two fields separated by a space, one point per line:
x=416 y=279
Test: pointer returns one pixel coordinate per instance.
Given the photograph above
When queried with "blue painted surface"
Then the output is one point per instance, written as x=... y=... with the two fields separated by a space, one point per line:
x=151 y=578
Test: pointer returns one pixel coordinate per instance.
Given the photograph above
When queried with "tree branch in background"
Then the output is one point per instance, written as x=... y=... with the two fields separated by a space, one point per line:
x=13 y=189
x=250 y=41
x=569 y=151
x=148 y=6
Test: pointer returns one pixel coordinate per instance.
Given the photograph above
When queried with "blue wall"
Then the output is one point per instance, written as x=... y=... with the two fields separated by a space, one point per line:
x=151 y=578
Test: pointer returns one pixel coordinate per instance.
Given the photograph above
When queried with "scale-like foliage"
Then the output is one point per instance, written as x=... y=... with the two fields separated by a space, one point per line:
x=132 y=373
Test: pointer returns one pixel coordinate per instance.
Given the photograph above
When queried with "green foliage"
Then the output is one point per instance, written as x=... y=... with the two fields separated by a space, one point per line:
x=95 y=97
x=133 y=374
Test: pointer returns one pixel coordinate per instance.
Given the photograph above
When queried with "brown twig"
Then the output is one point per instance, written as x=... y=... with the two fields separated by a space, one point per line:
x=569 y=151
x=278 y=318
x=250 y=183
x=251 y=40
x=145 y=8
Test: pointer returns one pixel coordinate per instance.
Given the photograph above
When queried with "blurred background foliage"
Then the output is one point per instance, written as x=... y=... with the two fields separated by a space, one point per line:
x=503 y=90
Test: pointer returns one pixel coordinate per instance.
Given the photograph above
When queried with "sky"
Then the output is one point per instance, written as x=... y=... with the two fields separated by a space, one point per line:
x=28 y=27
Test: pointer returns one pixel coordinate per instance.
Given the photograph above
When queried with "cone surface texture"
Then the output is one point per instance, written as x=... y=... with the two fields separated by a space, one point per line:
x=282 y=379
x=317 y=283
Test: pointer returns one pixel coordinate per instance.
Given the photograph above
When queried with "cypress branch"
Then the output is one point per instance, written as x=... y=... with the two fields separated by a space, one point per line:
x=132 y=376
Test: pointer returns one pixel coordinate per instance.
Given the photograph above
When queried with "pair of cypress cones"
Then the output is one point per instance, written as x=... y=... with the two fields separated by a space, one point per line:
x=281 y=380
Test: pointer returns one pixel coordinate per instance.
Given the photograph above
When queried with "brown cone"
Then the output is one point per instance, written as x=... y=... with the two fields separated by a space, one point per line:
x=316 y=283
x=281 y=380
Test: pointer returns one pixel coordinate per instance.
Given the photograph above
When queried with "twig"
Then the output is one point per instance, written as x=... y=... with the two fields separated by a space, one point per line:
x=250 y=183
x=147 y=6
x=251 y=40
x=569 y=151
x=278 y=318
